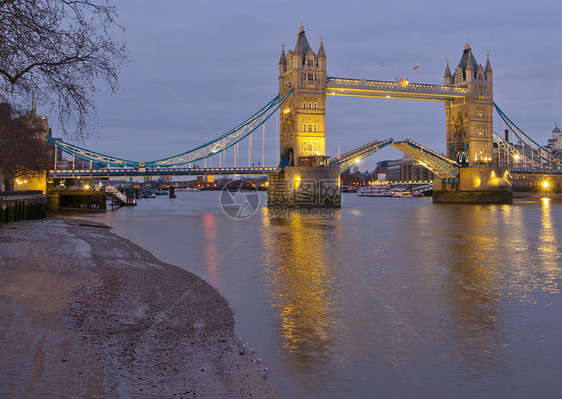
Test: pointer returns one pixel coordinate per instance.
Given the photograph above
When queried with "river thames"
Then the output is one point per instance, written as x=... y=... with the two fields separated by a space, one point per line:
x=393 y=298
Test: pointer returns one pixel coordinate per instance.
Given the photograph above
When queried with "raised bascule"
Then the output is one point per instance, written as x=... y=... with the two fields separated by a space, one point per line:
x=308 y=177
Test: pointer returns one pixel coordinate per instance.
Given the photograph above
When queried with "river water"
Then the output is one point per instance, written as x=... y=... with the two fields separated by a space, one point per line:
x=392 y=298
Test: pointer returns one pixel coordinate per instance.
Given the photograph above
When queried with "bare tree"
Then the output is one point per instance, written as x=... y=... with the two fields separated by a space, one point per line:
x=55 y=53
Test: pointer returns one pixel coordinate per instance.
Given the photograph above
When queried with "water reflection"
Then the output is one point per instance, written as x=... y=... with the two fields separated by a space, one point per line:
x=492 y=258
x=210 y=253
x=548 y=250
x=300 y=277
x=479 y=284
x=474 y=282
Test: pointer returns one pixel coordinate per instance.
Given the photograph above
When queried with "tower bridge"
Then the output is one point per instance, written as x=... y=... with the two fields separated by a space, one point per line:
x=471 y=163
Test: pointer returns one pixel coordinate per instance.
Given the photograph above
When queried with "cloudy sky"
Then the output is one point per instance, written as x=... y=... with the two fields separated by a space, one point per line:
x=199 y=68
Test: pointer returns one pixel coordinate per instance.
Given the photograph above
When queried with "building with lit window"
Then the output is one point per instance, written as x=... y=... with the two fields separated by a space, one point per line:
x=412 y=170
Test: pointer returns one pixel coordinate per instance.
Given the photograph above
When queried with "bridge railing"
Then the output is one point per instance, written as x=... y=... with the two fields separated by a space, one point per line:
x=346 y=160
x=399 y=85
x=420 y=189
x=116 y=193
x=161 y=171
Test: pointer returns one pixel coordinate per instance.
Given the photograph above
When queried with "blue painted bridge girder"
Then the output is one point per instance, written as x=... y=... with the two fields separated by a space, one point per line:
x=132 y=172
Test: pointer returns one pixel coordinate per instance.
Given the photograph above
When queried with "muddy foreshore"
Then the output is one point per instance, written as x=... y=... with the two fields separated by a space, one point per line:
x=85 y=313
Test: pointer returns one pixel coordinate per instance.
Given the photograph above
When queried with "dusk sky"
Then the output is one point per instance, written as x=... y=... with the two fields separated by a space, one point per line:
x=221 y=59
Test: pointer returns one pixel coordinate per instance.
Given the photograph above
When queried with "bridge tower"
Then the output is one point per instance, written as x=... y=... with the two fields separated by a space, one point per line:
x=470 y=139
x=306 y=180
x=469 y=120
x=303 y=116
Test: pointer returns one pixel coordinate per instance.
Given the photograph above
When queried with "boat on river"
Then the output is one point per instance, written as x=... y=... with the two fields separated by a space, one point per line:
x=375 y=190
x=401 y=194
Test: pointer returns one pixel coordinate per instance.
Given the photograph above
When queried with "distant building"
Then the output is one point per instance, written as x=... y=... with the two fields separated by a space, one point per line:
x=555 y=143
x=355 y=178
x=405 y=169
x=412 y=170
x=393 y=170
x=380 y=171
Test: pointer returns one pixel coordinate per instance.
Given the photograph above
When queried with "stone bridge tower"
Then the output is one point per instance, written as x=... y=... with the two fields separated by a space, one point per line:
x=469 y=120
x=306 y=179
x=303 y=116
x=470 y=139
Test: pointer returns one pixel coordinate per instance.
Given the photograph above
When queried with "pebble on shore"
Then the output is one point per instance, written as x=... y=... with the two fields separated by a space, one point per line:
x=85 y=313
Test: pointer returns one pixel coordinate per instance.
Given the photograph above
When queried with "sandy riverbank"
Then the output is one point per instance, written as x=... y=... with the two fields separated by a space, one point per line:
x=85 y=313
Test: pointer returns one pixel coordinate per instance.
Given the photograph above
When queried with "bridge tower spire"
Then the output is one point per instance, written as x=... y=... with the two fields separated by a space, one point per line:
x=303 y=116
x=469 y=120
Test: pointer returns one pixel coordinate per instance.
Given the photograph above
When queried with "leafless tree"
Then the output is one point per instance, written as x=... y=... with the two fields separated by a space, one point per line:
x=56 y=53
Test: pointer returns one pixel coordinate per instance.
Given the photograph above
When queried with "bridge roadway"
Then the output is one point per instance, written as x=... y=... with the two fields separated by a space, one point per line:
x=432 y=163
x=401 y=89
x=126 y=172
x=535 y=172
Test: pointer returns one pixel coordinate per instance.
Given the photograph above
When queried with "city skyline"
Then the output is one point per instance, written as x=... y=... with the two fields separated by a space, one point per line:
x=197 y=70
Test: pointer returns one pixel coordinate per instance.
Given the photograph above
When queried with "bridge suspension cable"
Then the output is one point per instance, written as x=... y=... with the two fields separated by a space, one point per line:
x=213 y=147
x=516 y=155
x=544 y=158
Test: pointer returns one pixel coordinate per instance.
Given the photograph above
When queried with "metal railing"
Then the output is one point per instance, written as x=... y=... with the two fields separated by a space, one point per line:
x=346 y=161
x=439 y=164
x=116 y=193
x=400 y=86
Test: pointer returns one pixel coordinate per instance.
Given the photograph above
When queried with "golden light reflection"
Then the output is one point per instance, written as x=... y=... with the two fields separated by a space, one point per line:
x=497 y=255
x=296 y=182
x=548 y=250
x=473 y=279
x=210 y=253
x=301 y=283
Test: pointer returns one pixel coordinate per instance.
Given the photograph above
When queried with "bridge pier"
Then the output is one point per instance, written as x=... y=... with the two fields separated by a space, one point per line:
x=305 y=187
x=475 y=185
